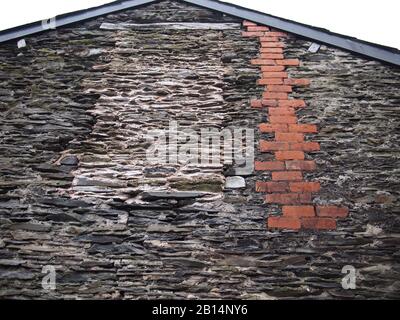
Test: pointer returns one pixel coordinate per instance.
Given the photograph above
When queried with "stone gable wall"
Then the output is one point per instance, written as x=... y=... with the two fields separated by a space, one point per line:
x=77 y=193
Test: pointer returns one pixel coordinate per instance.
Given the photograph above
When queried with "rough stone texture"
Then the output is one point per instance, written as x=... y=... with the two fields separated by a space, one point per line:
x=77 y=193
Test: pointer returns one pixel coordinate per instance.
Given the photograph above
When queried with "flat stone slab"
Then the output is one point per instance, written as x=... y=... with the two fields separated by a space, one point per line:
x=154 y=195
x=170 y=25
x=70 y=161
x=27 y=226
x=235 y=183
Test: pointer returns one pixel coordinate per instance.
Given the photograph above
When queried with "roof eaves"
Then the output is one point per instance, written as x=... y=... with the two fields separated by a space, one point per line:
x=386 y=54
x=72 y=17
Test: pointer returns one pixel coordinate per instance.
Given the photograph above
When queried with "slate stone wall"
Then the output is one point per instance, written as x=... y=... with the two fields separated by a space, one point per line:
x=77 y=193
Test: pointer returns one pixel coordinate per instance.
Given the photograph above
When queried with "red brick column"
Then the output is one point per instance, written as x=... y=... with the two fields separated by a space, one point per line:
x=287 y=187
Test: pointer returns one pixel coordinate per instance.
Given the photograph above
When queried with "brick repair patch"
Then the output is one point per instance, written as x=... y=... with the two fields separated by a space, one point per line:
x=287 y=187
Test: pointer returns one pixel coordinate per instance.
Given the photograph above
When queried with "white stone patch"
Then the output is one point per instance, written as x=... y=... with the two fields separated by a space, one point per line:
x=235 y=183
x=373 y=230
x=21 y=44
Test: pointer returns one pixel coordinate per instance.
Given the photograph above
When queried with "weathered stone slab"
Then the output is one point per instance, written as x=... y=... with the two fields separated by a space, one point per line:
x=235 y=183
x=38 y=227
x=69 y=161
x=178 y=195
x=171 y=26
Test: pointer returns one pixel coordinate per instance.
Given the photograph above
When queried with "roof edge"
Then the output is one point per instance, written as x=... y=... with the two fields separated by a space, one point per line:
x=72 y=17
x=382 y=53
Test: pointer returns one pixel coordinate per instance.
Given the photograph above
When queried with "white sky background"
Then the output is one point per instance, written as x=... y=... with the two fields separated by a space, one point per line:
x=370 y=20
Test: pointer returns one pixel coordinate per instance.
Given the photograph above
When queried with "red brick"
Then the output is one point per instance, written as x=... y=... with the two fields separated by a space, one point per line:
x=270 y=103
x=305 y=198
x=287 y=176
x=305 y=146
x=256 y=103
x=288 y=62
x=277 y=187
x=247 y=23
x=257 y=28
x=289 y=198
x=289 y=137
x=281 y=112
x=332 y=211
x=318 y=223
x=283 y=119
x=271 y=56
x=297 y=82
x=276 y=34
x=272 y=50
x=301 y=165
x=264 y=62
x=261 y=186
x=298 y=211
x=266 y=146
x=252 y=34
x=305 y=128
x=275 y=74
x=264 y=38
x=273 y=88
x=268 y=81
x=272 y=68
x=311 y=187
x=275 y=95
x=272 y=186
x=283 y=223
x=266 y=127
x=289 y=155
x=269 y=166
x=272 y=45
x=292 y=103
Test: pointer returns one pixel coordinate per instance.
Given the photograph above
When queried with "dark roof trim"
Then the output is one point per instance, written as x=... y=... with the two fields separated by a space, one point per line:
x=70 y=18
x=390 y=55
x=386 y=54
